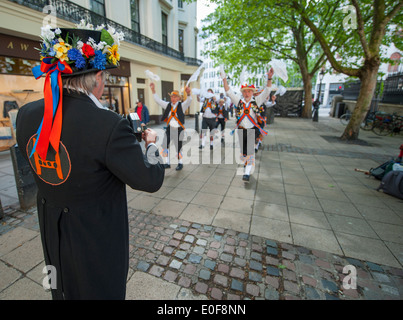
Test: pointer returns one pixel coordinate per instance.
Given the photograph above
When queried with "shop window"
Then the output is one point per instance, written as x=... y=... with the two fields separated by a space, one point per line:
x=116 y=95
x=18 y=66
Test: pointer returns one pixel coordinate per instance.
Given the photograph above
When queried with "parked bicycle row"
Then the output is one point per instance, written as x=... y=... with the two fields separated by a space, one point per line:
x=379 y=122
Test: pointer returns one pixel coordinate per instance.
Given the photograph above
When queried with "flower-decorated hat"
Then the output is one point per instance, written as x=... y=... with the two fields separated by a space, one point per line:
x=248 y=87
x=84 y=49
x=69 y=52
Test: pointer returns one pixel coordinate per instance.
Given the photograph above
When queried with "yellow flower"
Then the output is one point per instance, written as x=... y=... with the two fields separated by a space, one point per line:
x=61 y=49
x=114 y=56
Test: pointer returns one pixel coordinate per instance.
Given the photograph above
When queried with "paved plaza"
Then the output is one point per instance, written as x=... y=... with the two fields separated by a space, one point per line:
x=293 y=232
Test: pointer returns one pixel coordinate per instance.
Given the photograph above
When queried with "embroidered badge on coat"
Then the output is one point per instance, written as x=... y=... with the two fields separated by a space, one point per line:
x=56 y=169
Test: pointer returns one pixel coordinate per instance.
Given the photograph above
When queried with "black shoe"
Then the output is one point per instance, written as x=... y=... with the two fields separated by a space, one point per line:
x=211 y=147
x=256 y=150
x=167 y=166
x=201 y=147
x=179 y=167
x=222 y=140
x=245 y=178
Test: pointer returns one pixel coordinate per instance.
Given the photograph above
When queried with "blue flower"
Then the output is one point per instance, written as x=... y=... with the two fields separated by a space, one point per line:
x=75 y=55
x=52 y=52
x=99 y=60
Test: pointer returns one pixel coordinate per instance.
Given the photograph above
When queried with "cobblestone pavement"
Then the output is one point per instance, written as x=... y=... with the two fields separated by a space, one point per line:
x=225 y=264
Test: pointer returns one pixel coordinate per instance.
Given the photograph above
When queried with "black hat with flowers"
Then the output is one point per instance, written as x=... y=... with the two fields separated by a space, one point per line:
x=85 y=49
x=69 y=52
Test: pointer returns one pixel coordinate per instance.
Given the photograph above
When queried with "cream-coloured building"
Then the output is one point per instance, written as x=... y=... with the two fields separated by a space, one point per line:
x=160 y=36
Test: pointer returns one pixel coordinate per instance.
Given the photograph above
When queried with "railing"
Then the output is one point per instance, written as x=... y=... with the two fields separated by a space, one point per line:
x=393 y=89
x=72 y=12
x=351 y=90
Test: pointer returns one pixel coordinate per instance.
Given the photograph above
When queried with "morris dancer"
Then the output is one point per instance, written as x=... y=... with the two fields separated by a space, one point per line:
x=174 y=116
x=222 y=116
x=247 y=113
x=209 y=118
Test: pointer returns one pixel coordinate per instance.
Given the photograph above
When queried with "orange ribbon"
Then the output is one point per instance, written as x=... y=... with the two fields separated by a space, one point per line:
x=51 y=127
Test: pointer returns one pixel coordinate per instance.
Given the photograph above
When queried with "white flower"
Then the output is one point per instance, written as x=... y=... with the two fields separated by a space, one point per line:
x=105 y=50
x=100 y=46
x=58 y=31
x=47 y=34
x=80 y=45
x=84 y=25
x=91 y=42
x=81 y=24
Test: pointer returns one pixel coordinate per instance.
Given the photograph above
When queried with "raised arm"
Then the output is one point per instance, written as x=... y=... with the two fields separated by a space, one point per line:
x=188 y=101
x=260 y=99
x=163 y=104
x=230 y=94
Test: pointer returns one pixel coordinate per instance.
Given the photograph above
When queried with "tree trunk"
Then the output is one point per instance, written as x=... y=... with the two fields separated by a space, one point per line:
x=307 y=111
x=368 y=85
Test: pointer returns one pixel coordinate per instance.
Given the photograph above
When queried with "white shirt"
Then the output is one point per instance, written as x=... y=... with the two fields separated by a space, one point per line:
x=235 y=98
x=224 y=108
x=208 y=112
x=163 y=104
x=270 y=104
x=97 y=103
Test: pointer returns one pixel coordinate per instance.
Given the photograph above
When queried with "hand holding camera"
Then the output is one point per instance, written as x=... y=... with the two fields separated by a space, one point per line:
x=149 y=136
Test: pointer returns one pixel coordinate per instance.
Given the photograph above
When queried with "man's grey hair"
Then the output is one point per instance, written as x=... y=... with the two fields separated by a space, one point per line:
x=83 y=82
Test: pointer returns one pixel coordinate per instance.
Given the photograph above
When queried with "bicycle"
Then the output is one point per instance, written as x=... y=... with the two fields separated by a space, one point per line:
x=345 y=118
x=387 y=124
x=369 y=120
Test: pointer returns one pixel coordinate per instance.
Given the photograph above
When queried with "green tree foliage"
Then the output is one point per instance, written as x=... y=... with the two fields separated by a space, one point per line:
x=369 y=25
x=251 y=33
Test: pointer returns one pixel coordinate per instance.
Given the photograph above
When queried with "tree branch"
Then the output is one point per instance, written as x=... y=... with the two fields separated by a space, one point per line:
x=318 y=63
x=326 y=49
x=281 y=52
x=360 y=30
x=393 y=13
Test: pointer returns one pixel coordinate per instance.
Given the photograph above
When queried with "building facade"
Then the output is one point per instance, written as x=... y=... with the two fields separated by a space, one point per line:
x=160 y=36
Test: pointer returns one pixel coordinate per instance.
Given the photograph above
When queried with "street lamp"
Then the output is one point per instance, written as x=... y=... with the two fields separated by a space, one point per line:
x=316 y=104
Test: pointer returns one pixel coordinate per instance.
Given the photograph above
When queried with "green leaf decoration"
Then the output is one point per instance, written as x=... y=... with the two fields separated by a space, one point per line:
x=106 y=37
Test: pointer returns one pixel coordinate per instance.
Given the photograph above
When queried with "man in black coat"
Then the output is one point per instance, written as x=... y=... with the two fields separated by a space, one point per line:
x=82 y=205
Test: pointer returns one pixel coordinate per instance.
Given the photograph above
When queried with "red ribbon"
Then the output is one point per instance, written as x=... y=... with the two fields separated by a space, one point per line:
x=264 y=133
x=51 y=128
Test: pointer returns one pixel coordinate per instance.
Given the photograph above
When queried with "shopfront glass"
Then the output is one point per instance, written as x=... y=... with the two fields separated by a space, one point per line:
x=17 y=84
x=116 y=94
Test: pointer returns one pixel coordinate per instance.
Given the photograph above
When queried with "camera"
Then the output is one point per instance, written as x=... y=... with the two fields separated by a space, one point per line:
x=135 y=123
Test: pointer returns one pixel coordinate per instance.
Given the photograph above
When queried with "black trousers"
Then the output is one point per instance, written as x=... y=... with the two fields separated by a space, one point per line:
x=173 y=133
x=221 y=121
x=247 y=140
x=209 y=123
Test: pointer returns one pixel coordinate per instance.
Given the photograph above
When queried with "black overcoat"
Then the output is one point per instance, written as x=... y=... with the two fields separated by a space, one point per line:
x=82 y=205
